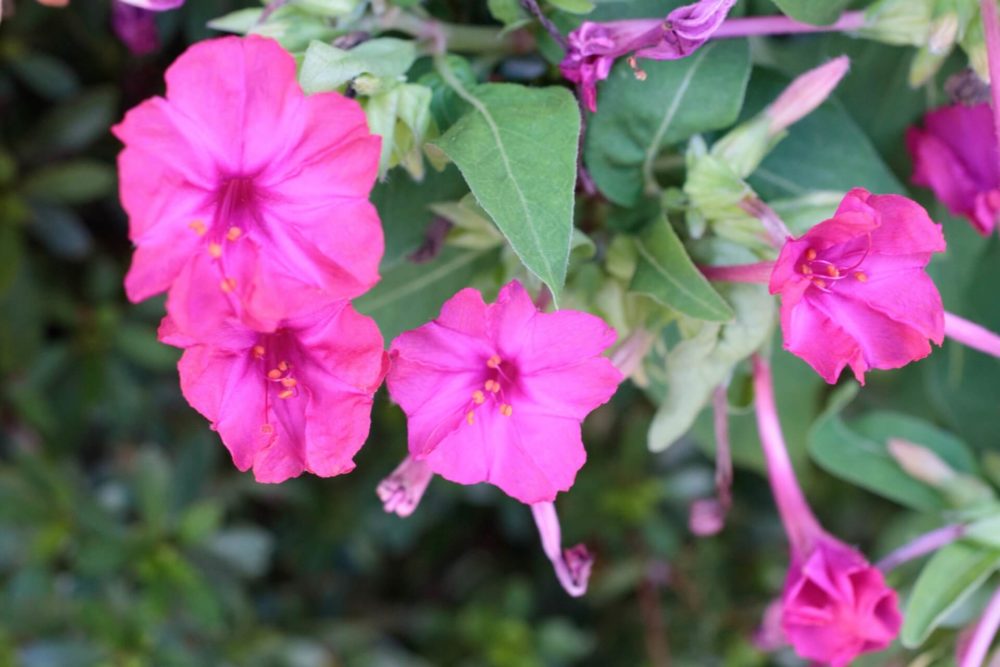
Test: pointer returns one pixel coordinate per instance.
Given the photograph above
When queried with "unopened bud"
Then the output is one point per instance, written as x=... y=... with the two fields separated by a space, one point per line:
x=807 y=92
x=920 y=462
x=706 y=517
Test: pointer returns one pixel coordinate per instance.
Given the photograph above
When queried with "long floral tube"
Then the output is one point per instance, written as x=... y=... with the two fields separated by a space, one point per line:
x=782 y=25
x=921 y=546
x=958 y=329
x=983 y=635
x=991 y=31
x=800 y=523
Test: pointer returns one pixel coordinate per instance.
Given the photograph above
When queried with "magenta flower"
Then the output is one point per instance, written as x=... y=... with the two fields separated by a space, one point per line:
x=296 y=399
x=496 y=393
x=955 y=154
x=594 y=47
x=238 y=176
x=854 y=290
x=835 y=606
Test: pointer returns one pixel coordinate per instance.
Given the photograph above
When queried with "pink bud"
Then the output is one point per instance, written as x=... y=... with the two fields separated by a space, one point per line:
x=573 y=565
x=807 y=92
x=706 y=517
x=401 y=491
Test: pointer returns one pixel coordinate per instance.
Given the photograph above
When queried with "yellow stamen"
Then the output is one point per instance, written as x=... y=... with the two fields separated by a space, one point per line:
x=832 y=271
x=283 y=365
x=215 y=250
x=861 y=276
x=199 y=227
x=234 y=233
x=274 y=374
x=288 y=393
x=492 y=386
x=811 y=254
x=258 y=351
x=478 y=397
x=266 y=428
x=470 y=417
x=506 y=410
x=289 y=382
x=228 y=285
x=805 y=269
x=494 y=361
x=819 y=283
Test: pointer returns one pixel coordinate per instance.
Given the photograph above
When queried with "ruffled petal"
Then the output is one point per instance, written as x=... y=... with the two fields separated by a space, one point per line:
x=562 y=338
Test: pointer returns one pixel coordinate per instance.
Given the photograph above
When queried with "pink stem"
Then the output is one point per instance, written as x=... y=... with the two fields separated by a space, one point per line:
x=991 y=29
x=971 y=334
x=739 y=273
x=921 y=546
x=723 y=452
x=782 y=25
x=800 y=523
x=984 y=634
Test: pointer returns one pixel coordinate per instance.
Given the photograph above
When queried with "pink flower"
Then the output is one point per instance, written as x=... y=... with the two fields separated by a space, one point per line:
x=135 y=27
x=835 y=606
x=496 y=393
x=955 y=154
x=594 y=47
x=239 y=178
x=292 y=400
x=854 y=290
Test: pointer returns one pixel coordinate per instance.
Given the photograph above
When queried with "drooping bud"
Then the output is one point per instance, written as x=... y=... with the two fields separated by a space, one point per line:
x=572 y=566
x=401 y=491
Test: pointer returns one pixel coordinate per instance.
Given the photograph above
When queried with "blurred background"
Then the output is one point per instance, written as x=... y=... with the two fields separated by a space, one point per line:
x=128 y=538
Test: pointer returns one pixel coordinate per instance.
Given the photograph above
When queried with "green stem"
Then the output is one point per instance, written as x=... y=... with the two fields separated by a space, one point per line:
x=449 y=36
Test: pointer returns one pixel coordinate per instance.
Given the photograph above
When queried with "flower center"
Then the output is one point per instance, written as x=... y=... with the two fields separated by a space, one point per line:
x=825 y=273
x=236 y=207
x=500 y=378
x=271 y=355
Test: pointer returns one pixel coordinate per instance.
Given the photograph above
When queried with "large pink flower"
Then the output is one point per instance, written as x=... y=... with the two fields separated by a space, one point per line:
x=295 y=399
x=238 y=175
x=854 y=290
x=955 y=154
x=496 y=393
x=837 y=606
x=594 y=47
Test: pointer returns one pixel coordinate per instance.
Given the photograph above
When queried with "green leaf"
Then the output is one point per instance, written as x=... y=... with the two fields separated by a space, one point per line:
x=73 y=124
x=517 y=149
x=817 y=12
x=858 y=453
x=666 y=273
x=410 y=294
x=636 y=119
x=683 y=379
x=326 y=67
x=73 y=182
x=574 y=6
x=401 y=116
x=951 y=576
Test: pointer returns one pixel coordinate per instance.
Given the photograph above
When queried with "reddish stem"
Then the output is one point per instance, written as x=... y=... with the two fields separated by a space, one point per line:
x=991 y=30
x=782 y=25
x=739 y=273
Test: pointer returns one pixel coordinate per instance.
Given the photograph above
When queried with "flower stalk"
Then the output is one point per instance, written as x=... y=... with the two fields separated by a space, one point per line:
x=983 y=635
x=971 y=335
x=921 y=546
x=782 y=25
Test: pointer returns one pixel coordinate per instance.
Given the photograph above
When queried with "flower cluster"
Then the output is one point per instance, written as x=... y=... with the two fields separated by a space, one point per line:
x=248 y=204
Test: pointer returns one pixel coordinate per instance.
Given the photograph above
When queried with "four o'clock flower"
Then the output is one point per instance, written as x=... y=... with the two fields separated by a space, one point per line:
x=293 y=399
x=594 y=47
x=496 y=393
x=237 y=175
x=955 y=154
x=835 y=605
x=854 y=290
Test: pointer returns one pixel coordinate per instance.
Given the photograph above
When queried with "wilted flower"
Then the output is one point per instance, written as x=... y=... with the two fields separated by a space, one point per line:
x=854 y=290
x=835 y=605
x=238 y=178
x=955 y=154
x=292 y=400
x=594 y=47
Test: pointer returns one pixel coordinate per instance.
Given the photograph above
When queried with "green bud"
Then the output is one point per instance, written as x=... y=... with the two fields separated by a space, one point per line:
x=745 y=147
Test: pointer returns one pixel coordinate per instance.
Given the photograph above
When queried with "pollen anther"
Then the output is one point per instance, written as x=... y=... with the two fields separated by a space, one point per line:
x=819 y=283
x=234 y=233
x=266 y=428
x=506 y=410
x=283 y=366
x=494 y=361
x=288 y=393
x=258 y=351
x=832 y=271
x=274 y=374
x=805 y=269
x=478 y=397
x=492 y=386
x=199 y=227
x=861 y=276
x=289 y=382
x=215 y=250
x=470 y=417
x=811 y=254
x=228 y=285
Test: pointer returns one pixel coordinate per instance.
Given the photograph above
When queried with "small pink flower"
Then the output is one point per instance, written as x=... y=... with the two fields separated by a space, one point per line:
x=594 y=47
x=135 y=27
x=854 y=290
x=955 y=154
x=835 y=606
x=496 y=393
x=238 y=176
x=296 y=399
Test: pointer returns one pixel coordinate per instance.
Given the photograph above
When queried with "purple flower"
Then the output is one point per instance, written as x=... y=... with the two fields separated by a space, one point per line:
x=594 y=47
